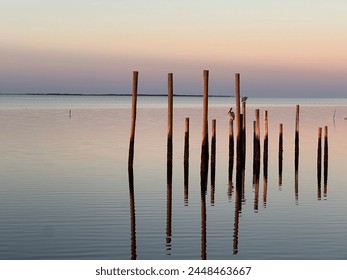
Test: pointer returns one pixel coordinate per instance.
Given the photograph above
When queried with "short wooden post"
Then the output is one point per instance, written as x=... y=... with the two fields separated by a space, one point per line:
x=244 y=131
x=213 y=152
x=280 y=154
x=266 y=144
x=169 y=119
x=186 y=160
x=319 y=156
x=325 y=155
x=257 y=135
x=133 y=119
x=204 y=145
x=231 y=149
x=213 y=160
x=297 y=138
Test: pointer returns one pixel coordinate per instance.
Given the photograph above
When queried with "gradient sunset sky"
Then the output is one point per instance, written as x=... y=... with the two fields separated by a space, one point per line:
x=282 y=48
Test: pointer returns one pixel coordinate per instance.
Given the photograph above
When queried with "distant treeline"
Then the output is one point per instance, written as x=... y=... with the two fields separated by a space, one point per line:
x=108 y=94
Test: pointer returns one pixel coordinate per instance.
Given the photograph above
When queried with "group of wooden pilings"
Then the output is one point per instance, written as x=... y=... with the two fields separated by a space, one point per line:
x=240 y=120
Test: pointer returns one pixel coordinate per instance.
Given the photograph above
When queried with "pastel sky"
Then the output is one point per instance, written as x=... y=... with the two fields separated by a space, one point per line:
x=282 y=48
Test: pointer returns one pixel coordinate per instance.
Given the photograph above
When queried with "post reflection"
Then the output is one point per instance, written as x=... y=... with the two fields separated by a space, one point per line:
x=203 y=182
x=296 y=185
x=132 y=214
x=265 y=181
x=168 y=207
x=238 y=207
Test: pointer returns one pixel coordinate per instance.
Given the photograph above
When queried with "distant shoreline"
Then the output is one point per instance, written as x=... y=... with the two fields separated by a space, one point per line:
x=111 y=94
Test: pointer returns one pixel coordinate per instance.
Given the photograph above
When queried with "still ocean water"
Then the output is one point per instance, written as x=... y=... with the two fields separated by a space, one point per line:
x=64 y=189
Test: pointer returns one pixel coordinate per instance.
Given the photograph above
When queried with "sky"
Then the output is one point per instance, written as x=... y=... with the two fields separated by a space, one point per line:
x=281 y=48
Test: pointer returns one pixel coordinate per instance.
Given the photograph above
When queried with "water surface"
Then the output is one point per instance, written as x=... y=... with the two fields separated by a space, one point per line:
x=65 y=192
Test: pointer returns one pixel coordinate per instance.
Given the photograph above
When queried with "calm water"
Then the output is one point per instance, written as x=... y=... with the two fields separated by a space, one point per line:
x=65 y=192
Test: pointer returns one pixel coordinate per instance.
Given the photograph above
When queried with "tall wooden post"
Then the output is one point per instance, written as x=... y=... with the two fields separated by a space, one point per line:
x=204 y=145
x=169 y=119
x=297 y=138
x=238 y=122
x=133 y=119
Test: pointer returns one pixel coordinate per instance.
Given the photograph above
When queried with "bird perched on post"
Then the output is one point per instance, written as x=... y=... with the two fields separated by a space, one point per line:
x=231 y=113
x=244 y=98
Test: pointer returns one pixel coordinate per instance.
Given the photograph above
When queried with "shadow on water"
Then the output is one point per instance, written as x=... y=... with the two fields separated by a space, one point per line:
x=132 y=214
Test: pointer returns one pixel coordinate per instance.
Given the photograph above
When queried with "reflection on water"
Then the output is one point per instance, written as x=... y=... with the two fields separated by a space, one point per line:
x=71 y=176
x=132 y=214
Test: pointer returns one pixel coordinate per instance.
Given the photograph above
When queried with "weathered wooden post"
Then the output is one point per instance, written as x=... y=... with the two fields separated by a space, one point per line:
x=257 y=136
x=319 y=164
x=243 y=131
x=266 y=144
x=204 y=145
x=297 y=138
x=319 y=156
x=133 y=119
x=213 y=160
x=169 y=119
x=213 y=152
x=231 y=149
x=325 y=155
x=186 y=160
x=280 y=154
x=238 y=122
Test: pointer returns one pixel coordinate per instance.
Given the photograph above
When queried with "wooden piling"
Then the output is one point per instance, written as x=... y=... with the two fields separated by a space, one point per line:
x=186 y=160
x=238 y=122
x=244 y=131
x=266 y=144
x=169 y=118
x=133 y=119
x=325 y=155
x=319 y=156
x=254 y=150
x=204 y=145
x=280 y=154
x=213 y=152
x=257 y=136
x=297 y=138
x=231 y=149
